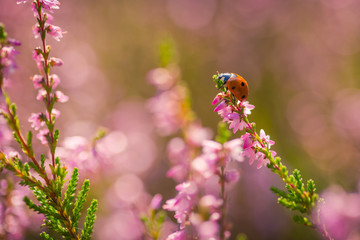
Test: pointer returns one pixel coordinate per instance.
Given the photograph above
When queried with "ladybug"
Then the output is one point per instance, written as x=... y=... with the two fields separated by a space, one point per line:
x=236 y=84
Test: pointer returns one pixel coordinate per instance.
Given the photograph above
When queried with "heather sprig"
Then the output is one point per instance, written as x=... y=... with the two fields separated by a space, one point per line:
x=154 y=218
x=194 y=158
x=60 y=204
x=299 y=196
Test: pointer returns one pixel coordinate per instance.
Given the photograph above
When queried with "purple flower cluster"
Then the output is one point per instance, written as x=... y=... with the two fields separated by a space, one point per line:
x=45 y=82
x=235 y=114
x=7 y=59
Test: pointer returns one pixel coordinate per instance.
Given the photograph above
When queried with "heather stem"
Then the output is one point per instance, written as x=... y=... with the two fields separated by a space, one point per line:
x=223 y=208
x=48 y=84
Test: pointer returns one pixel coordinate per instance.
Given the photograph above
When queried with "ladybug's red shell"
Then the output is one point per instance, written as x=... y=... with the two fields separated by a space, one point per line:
x=238 y=87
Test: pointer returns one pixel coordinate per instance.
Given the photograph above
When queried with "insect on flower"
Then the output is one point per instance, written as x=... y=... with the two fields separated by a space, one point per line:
x=236 y=84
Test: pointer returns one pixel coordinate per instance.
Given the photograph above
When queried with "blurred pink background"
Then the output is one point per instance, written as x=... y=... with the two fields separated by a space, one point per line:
x=300 y=58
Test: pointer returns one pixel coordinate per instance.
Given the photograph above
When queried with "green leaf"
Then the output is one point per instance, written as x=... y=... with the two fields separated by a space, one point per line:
x=310 y=186
x=298 y=179
x=42 y=159
x=278 y=192
x=29 y=142
x=46 y=236
x=79 y=203
x=302 y=220
x=90 y=220
x=71 y=189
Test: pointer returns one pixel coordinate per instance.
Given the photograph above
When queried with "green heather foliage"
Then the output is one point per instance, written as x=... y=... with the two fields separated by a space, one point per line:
x=53 y=200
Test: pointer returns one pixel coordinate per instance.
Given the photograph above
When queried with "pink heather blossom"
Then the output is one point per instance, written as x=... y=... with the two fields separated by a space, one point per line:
x=50 y=4
x=55 y=80
x=266 y=138
x=234 y=147
x=14 y=42
x=248 y=144
x=55 y=32
x=205 y=165
x=56 y=62
x=41 y=94
x=262 y=160
x=5 y=133
x=156 y=201
x=210 y=203
x=221 y=106
x=61 y=97
x=236 y=123
x=230 y=150
x=217 y=99
x=54 y=113
x=39 y=59
x=38 y=81
x=36 y=30
x=36 y=120
x=224 y=113
x=43 y=133
x=214 y=154
x=7 y=54
x=76 y=152
x=179 y=235
x=184 y=202
x=249 y=151
x=247 y=107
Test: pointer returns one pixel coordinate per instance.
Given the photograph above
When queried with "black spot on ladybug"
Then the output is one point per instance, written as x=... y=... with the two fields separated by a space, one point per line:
x=243 y=96
x=233 y=88
x=242 y=84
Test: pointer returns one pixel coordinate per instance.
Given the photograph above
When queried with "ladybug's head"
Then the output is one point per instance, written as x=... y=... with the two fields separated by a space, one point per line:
x=222 y=78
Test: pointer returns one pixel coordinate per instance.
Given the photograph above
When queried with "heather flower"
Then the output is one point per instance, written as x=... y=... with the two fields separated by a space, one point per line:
x=61 y=97
x=221 y=106
x=38 y=81
x=55 y=32
x=184 y=202
x=41 y=94
x=56 y=62
x=38 y=58
x=36 y=31
x=50 y=4
x=54 y=113
x=21 y=1
x=7 y=56
x=43 y=136
x=36 y=120
x=156 y=201
x=217 y=99
x=179 y=235
x=13 y=42
x=55 y=80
